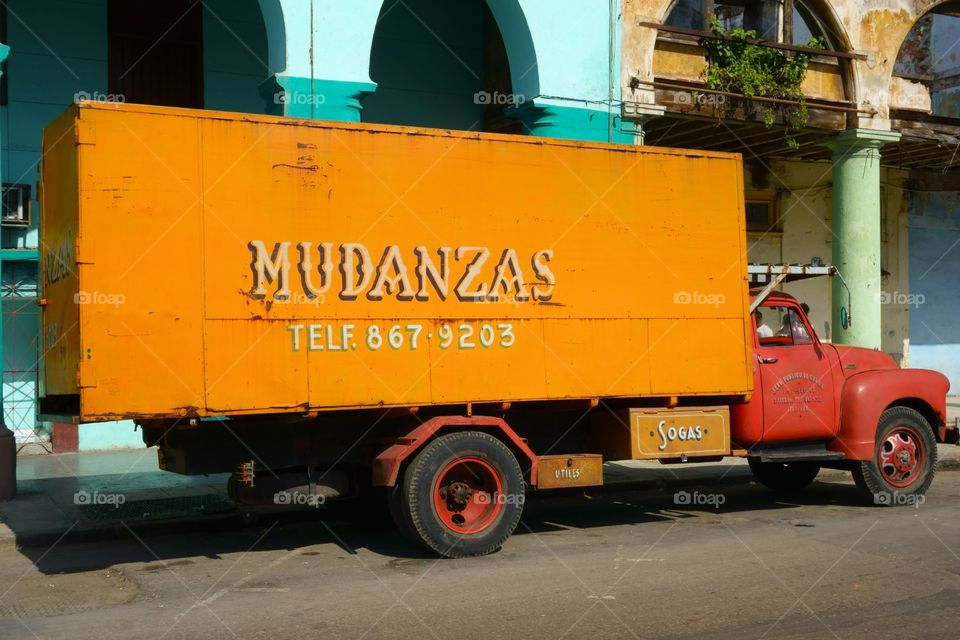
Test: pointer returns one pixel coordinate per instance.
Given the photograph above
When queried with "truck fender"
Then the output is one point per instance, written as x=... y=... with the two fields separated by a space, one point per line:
x=867 y=395
x=386 y=466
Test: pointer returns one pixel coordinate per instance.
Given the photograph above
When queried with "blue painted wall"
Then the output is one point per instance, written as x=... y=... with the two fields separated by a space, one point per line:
x=944 y=35
x=934 y=265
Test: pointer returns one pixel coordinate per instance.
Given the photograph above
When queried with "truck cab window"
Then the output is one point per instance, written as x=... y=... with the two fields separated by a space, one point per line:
x=787 y=325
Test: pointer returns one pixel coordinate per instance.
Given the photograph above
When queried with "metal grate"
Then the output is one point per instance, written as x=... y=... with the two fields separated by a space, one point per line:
x=162 y=509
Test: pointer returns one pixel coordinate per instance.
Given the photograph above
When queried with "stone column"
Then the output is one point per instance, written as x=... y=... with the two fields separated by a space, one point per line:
x=856 y=234
x=639 y=114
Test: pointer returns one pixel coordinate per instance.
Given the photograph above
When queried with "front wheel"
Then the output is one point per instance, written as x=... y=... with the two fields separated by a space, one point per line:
x=462 y=495
x=784 y=477
x=904 y=459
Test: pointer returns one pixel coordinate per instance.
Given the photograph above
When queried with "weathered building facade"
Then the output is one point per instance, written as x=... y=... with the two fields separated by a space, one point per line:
x=870 y=183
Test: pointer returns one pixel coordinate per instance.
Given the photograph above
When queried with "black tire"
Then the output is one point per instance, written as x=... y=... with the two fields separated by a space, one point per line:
x=784 y=477
x=412 y=501
x=874 y=479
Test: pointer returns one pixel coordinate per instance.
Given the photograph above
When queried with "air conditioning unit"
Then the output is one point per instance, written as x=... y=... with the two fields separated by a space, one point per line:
x=16 y=205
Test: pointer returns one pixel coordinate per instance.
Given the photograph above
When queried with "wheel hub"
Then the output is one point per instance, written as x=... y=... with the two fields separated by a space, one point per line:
x=466 y=497
x=900 y=457
x=457 y=494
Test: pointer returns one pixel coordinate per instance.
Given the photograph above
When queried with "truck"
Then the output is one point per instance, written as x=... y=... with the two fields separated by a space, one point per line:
x=452 y=320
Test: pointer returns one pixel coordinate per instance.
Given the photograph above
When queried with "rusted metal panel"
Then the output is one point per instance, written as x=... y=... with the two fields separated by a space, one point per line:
x=250 y=264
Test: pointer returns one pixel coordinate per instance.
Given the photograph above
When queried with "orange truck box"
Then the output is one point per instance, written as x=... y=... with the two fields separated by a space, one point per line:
x=199 y=263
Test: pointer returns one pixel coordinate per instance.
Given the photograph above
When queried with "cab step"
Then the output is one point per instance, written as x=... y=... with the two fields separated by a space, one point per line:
x=806 y=452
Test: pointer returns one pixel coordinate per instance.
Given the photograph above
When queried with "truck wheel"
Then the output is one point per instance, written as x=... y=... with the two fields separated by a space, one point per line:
x=462 y=495
x=784 y=477
x=904 y=460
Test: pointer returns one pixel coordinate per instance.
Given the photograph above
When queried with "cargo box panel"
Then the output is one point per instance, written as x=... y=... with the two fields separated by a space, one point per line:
x=252 y=264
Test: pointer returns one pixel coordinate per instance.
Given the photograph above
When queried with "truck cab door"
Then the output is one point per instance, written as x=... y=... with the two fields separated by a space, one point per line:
x=796 y=376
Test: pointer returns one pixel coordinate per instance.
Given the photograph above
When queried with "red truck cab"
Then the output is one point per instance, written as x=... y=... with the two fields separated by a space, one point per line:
x=816 y=404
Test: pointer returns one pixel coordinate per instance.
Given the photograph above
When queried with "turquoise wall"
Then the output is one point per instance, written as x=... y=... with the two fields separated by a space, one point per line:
x=63 y=51
x=21 y=317
x=121 y=434
x=563 y=57
x=235 y=56
x=563 y=54
x=59 y=49
x=41 y=84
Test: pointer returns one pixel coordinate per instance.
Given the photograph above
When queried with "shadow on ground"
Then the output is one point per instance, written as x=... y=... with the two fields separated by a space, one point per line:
x=351 y=528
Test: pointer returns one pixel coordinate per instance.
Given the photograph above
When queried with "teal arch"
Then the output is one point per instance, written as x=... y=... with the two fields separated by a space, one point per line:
x=273 y=21
x=414 y=87
x=518 y=41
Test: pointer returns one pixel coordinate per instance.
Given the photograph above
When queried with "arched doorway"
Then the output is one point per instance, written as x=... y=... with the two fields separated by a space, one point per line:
x=211 y=55
x=441 y=64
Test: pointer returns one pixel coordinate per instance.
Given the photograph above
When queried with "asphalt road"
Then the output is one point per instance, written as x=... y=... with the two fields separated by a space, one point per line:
x=609 y=565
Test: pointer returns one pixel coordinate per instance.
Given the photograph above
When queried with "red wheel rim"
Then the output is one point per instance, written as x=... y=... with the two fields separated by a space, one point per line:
x=468 y=496
x=900 y=457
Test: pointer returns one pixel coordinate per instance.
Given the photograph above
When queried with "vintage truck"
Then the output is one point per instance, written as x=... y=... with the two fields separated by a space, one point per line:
x=455 y=319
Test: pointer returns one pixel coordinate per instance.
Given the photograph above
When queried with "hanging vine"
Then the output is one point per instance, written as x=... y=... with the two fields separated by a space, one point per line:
x=735 y=65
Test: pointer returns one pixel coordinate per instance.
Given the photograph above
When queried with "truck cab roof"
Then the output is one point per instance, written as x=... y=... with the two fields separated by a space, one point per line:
x=777 y=296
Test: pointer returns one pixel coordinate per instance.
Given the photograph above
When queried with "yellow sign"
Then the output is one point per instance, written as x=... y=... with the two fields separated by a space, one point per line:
x=674 y=433
x=583 y=470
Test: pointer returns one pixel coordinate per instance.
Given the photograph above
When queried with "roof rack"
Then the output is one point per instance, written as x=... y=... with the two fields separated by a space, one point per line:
x=771 y=276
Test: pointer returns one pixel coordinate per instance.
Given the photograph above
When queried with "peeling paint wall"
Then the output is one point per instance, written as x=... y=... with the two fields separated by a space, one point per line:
x=875 y=28
x=914 y=57
x=946 y=66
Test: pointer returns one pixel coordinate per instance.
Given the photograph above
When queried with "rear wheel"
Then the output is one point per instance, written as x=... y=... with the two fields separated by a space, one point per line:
x=462 y=495
x=904 y=459
x=784 y=477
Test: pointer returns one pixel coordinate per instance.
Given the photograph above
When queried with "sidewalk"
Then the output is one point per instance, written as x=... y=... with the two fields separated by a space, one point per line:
x=91 y=496
x=85 y=496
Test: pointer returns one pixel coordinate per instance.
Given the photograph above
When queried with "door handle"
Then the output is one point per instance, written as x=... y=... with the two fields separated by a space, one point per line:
x=770 y=360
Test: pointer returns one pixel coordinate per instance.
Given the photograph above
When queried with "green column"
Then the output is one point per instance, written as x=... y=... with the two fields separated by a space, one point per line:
x=856 y=234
